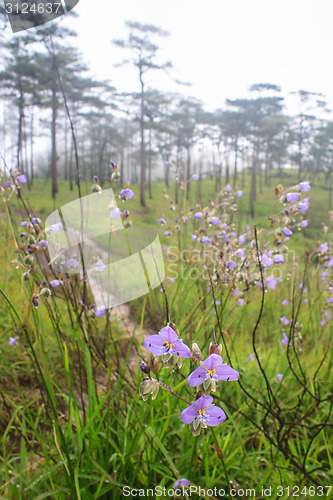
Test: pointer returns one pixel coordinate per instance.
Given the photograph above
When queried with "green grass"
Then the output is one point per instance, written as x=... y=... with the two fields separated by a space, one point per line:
x=66 y=436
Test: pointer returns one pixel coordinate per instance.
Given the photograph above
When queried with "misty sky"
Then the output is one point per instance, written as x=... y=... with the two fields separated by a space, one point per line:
x=220 y=46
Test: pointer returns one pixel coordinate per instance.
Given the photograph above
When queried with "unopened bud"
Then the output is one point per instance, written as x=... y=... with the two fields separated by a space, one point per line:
x=26 y=276
x=173 y=326
x=145 y=368
x=215 y=349
x=154 y=365
x=196 y=352
x=45 y=293
x=96 y=188
x=148 y=386
x=28 y=259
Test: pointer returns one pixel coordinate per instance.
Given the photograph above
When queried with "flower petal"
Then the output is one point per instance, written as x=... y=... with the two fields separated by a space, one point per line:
x=214 y=416
x=212 y=361
x=189 y=414
x=203 y=402
x=225 y=372
x=197 y=377
x=155 y=344
x=181 y=349
x=169 y=334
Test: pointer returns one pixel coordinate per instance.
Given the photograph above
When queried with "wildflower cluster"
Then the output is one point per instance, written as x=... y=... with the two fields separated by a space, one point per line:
x=219 y=253
x=202 y=412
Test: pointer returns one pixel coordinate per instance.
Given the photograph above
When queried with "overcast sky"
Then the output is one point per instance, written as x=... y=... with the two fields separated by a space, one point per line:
x=220 y=46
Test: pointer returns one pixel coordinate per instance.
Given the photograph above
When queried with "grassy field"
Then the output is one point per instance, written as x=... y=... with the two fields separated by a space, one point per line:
x=72 y=422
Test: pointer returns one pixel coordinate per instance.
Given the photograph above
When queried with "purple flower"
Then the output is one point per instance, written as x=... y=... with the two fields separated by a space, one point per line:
x=213 y=368
x=285 y=302
x=251 y=357
x=95 y=178
x=12 y=341
x=126 y=194
x=167 y=164
x=166 y=233
x=196 y=177
x=72 y=263
x=239 y=194
x=214 y=220
x=100 y=266
x=304 y=223
x=115 y=213
x=203 y=410
x=292 y=197
x=24 y=224
x=36 y=220
x=9 y=184
x=181 y=482
x=198 y=215
x=241 y=239
x=271 y=282
x=35 y=302
x=21 y=179
x=324 y=247
x=303 y=206
x=241 y=302
x=193 y=237
x=231 y=264
x=287 y=232
x=305 y=186
x=43 y=243
x=54 y=283
x=161 y=221
x=279 y=376
x=55 y=228
x=266 y=260
x=205 y=239
x=278 y=259
x=240 y=252
x=167 y=341
x=330 y=262
x=228 y=188
x=284 y=340
x=100 y=311
x=284 y=321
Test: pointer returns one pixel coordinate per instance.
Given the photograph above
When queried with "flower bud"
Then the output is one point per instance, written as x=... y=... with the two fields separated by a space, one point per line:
x=115 y=176
x=127 y=224
x=215 y=349
x=154 y=365
x=173 y=326
x=145 y=368
x=28 y=259
x=45 y=293
x=148 y=386
x=96 y=188
x=196 y=352
x=26 y=276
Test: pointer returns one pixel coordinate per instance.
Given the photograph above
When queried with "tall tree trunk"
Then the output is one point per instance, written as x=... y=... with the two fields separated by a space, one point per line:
x=188 y=173
x=19 y=163
x=32 y=169
x=149 y=167
x=142 y=149
x=66 y=151
x=71 y=187
x=236 y=161
x=54 y=159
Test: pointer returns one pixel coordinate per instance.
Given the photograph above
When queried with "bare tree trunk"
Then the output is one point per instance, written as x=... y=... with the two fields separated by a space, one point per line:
x=32 y=169
x=149 y=167
x=54 y=163
x=142 y=151
x=236 y=161
x=19 y=165
x=188 y=173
